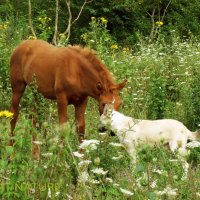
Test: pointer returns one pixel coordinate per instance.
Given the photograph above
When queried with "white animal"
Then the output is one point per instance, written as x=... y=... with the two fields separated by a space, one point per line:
x=132 y=132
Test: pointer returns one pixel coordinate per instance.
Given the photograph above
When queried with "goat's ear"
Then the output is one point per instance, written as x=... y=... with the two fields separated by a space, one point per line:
x=119 y=86
x=108 y=109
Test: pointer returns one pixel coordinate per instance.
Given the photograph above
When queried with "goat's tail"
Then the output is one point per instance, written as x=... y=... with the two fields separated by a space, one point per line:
x=194 y=135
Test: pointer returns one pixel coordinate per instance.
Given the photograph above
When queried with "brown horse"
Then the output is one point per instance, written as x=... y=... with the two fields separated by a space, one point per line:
x=68 y=75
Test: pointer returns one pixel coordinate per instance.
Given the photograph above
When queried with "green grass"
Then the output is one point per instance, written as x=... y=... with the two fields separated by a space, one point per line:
x=163 y=82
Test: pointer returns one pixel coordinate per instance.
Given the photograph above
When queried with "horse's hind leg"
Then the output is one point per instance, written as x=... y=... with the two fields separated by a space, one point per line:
x=17 y=91
x=80 y=118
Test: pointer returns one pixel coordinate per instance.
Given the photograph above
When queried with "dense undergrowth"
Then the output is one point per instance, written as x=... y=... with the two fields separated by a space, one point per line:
x=163 y=82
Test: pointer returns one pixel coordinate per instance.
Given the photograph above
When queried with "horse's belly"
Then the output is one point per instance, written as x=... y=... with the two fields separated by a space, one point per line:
x=44 y=84
x=48 y=94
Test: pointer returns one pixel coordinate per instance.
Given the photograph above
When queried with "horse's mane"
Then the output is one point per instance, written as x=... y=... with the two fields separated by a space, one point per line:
x=97 y=63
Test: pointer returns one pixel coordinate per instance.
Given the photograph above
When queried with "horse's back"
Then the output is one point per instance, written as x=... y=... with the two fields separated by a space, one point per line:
x=54 y=68
x=34 y=58
x=25 y=51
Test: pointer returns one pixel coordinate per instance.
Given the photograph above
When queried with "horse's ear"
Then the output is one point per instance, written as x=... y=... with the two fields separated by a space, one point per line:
x=120 y=86
x=99 y=86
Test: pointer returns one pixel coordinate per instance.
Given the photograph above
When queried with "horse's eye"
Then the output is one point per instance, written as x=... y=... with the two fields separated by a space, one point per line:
x=99 y=86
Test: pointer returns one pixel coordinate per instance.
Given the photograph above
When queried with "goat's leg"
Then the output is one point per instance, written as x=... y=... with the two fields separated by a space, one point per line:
x=173 y=145
x=132 y=152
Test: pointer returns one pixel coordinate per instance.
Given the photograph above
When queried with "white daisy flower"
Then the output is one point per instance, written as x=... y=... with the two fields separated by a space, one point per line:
x=117 y=157
x=109 y=180
x=193 y=144
x=114 y=144
x=69 y=197
x=57 y=194
x=116 y=185
x=99 y=171
x=157 y=171
x=126 y=192
x=84 y=162
x=89 y=144
x=47 y=154
x=37 y=142
x=168 y=191
x=154 y=184
x=77 y=154
x=84 y=177
x=102 y=133
x=93 y=181
x=173 y=160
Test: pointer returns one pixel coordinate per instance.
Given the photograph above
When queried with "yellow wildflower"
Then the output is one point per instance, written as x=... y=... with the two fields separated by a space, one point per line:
x=84 y=36
x=104 y=21
x=126 y=49
x=6 y=114
x=159 y=23
x=31 y=37
x=114 y=46
x=61 y=35
x=5 y=26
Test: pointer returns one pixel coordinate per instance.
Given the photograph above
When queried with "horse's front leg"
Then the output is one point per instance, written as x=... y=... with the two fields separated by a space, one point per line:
x=62 y=103
x=35 y=147
x=80 y=118
x=62 y=107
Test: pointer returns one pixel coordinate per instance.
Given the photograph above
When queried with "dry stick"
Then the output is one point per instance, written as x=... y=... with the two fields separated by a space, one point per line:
x=148 y=175
x=68 y=30
x=56 y=24
x=165 y=10
x=153 y=24
x=154 y=30
x=30 y=18
x=70 y=22
x=79 y=14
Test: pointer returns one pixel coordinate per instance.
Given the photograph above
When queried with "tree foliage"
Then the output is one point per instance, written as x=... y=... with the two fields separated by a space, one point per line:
x=128 y=21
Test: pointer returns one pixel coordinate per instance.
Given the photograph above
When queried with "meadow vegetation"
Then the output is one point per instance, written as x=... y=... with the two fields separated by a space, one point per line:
x=163 y=82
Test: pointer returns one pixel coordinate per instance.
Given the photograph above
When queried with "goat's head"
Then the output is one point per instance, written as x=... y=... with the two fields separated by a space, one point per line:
x=106 y=117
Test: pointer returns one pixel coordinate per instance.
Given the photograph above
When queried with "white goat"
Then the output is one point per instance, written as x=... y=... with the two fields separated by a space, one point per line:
x=132 y=132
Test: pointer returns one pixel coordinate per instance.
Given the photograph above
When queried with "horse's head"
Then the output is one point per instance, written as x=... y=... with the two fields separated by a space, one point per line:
x=111 y=95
